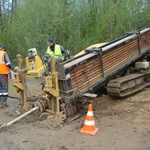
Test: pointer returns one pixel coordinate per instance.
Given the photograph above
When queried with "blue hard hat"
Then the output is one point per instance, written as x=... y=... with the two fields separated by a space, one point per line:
x=51 y=40
x=2 y=46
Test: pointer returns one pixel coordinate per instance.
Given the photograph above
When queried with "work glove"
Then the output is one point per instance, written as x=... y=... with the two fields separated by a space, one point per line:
x=45 y=59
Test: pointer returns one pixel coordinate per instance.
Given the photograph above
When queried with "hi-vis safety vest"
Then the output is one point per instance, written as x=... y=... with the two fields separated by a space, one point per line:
x=57 y=52
x=3 y=67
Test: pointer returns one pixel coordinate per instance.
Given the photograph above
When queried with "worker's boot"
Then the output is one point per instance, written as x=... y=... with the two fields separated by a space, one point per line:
x=3 y=102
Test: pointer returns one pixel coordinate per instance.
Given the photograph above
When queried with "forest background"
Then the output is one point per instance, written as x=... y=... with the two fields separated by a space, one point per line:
x=75 y=24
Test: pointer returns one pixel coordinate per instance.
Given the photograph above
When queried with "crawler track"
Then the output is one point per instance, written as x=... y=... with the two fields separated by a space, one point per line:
x=127 y=85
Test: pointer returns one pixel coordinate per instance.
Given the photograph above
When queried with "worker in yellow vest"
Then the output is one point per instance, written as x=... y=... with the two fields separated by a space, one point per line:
x=53 y=50
x=5 y=64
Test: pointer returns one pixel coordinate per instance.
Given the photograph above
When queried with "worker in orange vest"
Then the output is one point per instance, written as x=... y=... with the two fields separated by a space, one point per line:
x=5 y=64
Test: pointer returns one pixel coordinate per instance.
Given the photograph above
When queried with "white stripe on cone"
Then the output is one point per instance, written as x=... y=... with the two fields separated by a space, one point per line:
x=89 y=123
x=90 y=113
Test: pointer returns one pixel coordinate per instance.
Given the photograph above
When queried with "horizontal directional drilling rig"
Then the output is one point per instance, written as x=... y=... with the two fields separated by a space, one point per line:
x=96 y=68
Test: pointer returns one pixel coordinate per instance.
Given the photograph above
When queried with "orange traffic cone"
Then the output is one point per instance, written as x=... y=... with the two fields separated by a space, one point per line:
x=89 y=124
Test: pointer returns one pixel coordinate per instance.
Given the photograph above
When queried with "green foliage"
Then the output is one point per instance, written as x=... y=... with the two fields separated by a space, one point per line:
x=75 y=24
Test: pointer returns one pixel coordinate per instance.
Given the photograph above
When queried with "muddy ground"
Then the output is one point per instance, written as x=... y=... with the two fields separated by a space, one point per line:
x=124 y=124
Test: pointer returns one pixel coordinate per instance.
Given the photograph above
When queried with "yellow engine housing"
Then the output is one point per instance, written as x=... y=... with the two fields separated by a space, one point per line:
x=92 y=46
x=35 y=66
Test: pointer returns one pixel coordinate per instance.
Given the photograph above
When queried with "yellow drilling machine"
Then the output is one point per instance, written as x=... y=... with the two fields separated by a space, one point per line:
x=121 y=66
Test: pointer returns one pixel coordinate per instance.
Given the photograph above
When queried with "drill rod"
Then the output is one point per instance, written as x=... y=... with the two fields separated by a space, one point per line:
x=20 y=117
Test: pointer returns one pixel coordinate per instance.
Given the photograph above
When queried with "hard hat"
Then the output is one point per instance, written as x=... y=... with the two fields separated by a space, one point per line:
x=2 y=46
x=51 y=40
